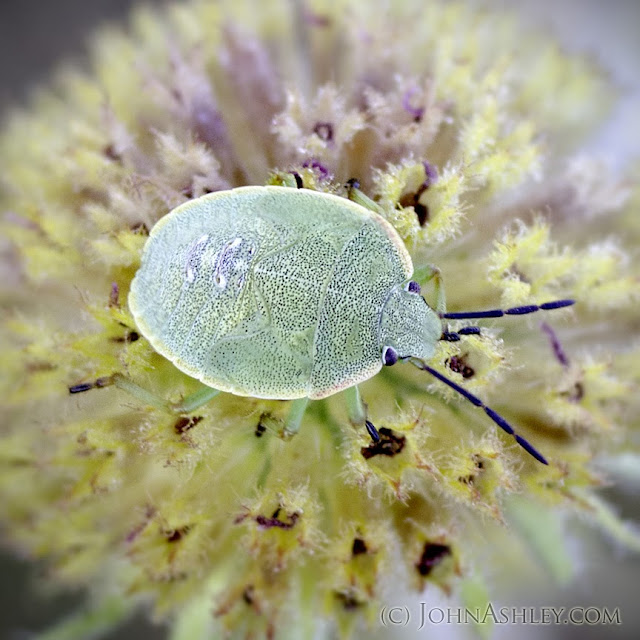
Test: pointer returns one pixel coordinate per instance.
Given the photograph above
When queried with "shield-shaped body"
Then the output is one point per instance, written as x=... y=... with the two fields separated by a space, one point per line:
x=268 y=291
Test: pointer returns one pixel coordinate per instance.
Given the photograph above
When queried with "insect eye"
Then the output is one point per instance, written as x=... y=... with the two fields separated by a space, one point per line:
x=412 y=287
x=389 y=356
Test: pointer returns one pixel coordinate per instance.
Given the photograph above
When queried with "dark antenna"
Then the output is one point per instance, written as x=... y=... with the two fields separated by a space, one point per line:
x=513 y=311
x=454 y=336
x=496 y=417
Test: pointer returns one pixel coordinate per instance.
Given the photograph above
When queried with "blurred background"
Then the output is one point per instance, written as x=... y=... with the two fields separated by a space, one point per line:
x=36 y=34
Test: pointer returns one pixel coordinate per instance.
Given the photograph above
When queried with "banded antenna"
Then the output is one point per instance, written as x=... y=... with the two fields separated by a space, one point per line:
x=453 y=336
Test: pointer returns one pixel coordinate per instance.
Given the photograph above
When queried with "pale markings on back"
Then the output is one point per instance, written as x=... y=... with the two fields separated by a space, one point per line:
x=194 y=254
x=224 y=264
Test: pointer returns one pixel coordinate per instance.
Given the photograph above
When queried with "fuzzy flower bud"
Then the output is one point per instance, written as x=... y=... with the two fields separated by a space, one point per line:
x=219 y=517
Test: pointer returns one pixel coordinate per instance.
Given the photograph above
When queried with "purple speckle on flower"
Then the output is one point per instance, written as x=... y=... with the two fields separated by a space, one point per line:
x=430 y=172
x=416 y=112
x=558 y=351
x=114 y=295
x=318 y=167
x=315 y=19
x=208 y=124
x=324 y=131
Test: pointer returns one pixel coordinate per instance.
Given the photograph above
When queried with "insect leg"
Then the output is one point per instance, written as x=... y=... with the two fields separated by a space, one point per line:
x=354 y=193
x=290 y=179
x=357 y=410
x=372 y=431
x=187 y=405
x=196 y=400
x=298 y=178
x=426 y=273
x=294 y=417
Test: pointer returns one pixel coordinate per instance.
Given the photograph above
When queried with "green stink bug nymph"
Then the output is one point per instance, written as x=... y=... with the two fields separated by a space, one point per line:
x=282 y=293
x=273 y=292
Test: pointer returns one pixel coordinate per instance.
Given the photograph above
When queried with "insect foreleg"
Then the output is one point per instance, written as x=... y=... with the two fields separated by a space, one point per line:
x=357 y=196
x=427 y=273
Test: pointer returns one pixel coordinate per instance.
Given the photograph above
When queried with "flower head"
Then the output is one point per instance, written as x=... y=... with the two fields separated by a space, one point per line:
x=215 y=515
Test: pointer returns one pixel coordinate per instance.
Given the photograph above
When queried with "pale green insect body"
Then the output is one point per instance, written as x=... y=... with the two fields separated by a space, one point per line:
x=275 y=292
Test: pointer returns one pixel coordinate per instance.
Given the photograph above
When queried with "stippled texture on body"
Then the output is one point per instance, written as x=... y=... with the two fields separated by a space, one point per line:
x=269 y=292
